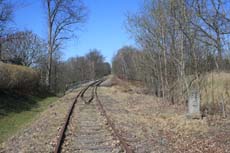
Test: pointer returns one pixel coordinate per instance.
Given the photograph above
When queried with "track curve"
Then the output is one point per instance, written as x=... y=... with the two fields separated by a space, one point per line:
x=94 y=95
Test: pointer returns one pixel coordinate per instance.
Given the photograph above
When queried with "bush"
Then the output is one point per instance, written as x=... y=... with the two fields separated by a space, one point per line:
x=17 y=77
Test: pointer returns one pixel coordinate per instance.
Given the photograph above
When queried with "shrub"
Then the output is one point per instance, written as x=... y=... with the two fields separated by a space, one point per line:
x=17 y=77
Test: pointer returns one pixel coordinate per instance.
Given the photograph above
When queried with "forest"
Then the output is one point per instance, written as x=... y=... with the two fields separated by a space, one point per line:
x=183 y=45
x=157 y=81
x=31 y=62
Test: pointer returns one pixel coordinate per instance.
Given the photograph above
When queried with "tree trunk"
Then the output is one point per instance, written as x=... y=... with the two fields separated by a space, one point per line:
x=49 y=70
x=55 y=77
x=165 y=64
x=162 y=92
x=219 y=49
x=0 y=52
x=50 y=47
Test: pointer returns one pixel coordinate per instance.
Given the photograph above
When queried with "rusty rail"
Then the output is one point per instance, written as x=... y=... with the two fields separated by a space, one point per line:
x=61 y=135
x=122 y=141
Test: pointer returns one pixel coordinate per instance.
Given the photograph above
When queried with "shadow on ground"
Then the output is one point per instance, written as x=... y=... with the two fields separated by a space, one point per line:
x=12 y=102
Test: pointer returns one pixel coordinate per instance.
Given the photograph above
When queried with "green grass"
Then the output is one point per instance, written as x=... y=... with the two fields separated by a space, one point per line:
x=18 y=111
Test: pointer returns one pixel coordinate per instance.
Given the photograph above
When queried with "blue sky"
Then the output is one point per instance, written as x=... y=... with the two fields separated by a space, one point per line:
x=103 y=30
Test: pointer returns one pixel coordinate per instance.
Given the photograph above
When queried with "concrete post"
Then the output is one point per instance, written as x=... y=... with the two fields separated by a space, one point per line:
x=194 y=105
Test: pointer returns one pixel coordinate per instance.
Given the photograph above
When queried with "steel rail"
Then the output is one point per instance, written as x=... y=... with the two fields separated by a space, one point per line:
x=61 y=134
x=125 y=146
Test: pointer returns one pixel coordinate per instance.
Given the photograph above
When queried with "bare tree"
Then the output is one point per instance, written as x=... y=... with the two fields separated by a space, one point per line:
x=6 y=13
x=124 y=64
x=63 y=16
x=80 y=68
x=214 y=23
x=96 y=61
x=168 y=41
x=24 y=48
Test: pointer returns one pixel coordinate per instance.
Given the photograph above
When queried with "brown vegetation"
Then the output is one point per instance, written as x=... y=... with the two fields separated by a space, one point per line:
x=151 y=124
x=17 y=77
x=182 y=43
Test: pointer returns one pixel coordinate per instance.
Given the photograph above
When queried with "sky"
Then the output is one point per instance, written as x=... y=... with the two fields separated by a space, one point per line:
x=104 y=29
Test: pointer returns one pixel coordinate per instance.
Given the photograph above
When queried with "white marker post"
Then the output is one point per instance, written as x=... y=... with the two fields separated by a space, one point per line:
x=194 y=105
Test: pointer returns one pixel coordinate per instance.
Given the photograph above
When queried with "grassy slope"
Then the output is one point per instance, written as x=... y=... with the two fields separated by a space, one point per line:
x=16 y=112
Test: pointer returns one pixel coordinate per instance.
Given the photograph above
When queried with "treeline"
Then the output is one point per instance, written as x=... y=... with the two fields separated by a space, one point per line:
x=30 y=62
x=40 y=65
x=180 y=41
x=78 y=69
x=29 y=50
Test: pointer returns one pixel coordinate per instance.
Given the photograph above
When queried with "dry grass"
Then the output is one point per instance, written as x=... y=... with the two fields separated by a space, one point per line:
x=149 y=110
x=216 y=89
x=158 y=126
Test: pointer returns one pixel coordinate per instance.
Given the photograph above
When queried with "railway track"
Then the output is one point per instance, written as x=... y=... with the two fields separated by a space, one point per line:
x=88 y=128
